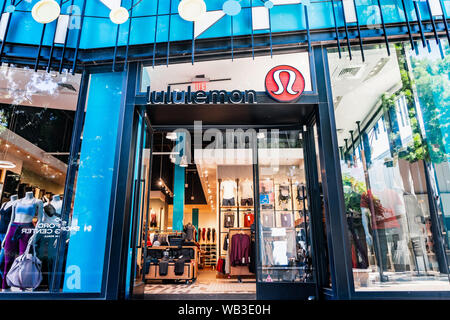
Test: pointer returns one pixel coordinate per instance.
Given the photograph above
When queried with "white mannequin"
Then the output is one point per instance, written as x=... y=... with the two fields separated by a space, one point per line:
x=25 y=218
x=228 y=188
x=246 y=189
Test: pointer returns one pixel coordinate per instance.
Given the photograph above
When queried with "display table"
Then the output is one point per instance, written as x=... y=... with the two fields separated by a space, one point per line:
x=190 y=268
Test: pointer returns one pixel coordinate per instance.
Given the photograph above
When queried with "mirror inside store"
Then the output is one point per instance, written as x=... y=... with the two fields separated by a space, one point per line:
x=199 y=215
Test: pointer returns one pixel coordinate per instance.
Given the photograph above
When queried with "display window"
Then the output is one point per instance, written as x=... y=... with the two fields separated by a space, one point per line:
x=390 y=116
x=37 y=112
x=58 y=154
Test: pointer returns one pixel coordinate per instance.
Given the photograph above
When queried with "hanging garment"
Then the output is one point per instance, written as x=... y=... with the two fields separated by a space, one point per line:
x=268 y=219
x=249 y=218
x=286 y=220
x=280 y=253
x=240 y=249
x=252 y=265
x=228 y=220
x=300 y=193
x=284 y=194
x=267 y=253
x=203 y=234
x=214 y=235
x=225 y=243
x=153 y=222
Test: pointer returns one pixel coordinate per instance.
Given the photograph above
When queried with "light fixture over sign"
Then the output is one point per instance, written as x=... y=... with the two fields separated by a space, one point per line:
x=46 y=11
x=192 y=10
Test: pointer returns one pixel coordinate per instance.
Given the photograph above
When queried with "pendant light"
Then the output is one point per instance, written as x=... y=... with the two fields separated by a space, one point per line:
x=192 y=10
x=119 y=15
x=46 y=11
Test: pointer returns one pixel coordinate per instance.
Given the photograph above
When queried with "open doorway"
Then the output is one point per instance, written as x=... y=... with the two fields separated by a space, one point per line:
x=222 y=212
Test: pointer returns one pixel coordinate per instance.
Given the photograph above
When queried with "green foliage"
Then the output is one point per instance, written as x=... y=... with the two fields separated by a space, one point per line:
x=432 y=85
x=353 y=189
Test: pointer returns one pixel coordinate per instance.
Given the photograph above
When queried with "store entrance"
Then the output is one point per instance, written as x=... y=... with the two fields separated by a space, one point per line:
x=219 y=213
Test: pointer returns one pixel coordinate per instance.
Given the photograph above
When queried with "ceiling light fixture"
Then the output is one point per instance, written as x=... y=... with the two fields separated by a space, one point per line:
x=192 y=10
x=46 y=11
x=7 y=164
x=119 y=15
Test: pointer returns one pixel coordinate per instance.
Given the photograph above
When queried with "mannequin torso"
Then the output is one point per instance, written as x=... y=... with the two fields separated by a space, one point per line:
x=57 y=204
x=25 y=209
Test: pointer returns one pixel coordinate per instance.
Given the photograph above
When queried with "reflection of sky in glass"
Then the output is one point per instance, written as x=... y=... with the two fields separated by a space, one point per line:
x=22 y=84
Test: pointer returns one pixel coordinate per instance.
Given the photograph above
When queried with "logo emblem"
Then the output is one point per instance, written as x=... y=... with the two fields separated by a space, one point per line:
x=285 y=83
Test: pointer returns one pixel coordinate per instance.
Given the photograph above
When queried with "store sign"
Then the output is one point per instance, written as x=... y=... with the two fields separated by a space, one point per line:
x=200 y=97
x=285 y=83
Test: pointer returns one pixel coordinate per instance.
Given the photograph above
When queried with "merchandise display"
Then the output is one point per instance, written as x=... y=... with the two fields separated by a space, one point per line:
x=153 y=222
x=228 y=189
x=20 y=230
x=246 y=192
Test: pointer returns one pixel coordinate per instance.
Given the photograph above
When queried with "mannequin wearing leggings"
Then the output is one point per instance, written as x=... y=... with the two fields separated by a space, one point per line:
x=20 y=230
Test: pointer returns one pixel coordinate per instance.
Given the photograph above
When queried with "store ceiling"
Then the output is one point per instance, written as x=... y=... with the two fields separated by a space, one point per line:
x=32 y=157
x=358 y=86
x=20 y=86
x=238 y=74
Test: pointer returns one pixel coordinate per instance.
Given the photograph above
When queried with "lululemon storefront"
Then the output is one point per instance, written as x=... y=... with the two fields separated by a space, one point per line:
x=198 y=149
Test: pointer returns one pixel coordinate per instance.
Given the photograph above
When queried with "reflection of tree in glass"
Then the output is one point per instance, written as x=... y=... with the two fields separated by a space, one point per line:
x=432 y=82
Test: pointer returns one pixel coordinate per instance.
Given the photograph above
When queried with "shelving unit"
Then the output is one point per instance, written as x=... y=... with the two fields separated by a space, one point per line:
x=209 y=254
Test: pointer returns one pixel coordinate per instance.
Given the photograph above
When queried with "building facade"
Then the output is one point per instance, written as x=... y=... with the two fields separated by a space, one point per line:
x=346 y=100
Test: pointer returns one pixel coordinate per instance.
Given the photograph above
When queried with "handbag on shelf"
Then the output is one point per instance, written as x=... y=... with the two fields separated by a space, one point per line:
x=25 y=272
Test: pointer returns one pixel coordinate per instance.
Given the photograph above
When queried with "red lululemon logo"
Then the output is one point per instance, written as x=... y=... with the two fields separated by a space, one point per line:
x=285 y=83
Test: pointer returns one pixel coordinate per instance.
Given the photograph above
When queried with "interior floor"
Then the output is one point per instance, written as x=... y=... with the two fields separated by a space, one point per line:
x=206 y=285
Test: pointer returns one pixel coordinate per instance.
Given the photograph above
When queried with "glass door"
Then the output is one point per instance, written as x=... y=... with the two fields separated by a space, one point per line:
x=139 y=208
x=284 y=217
